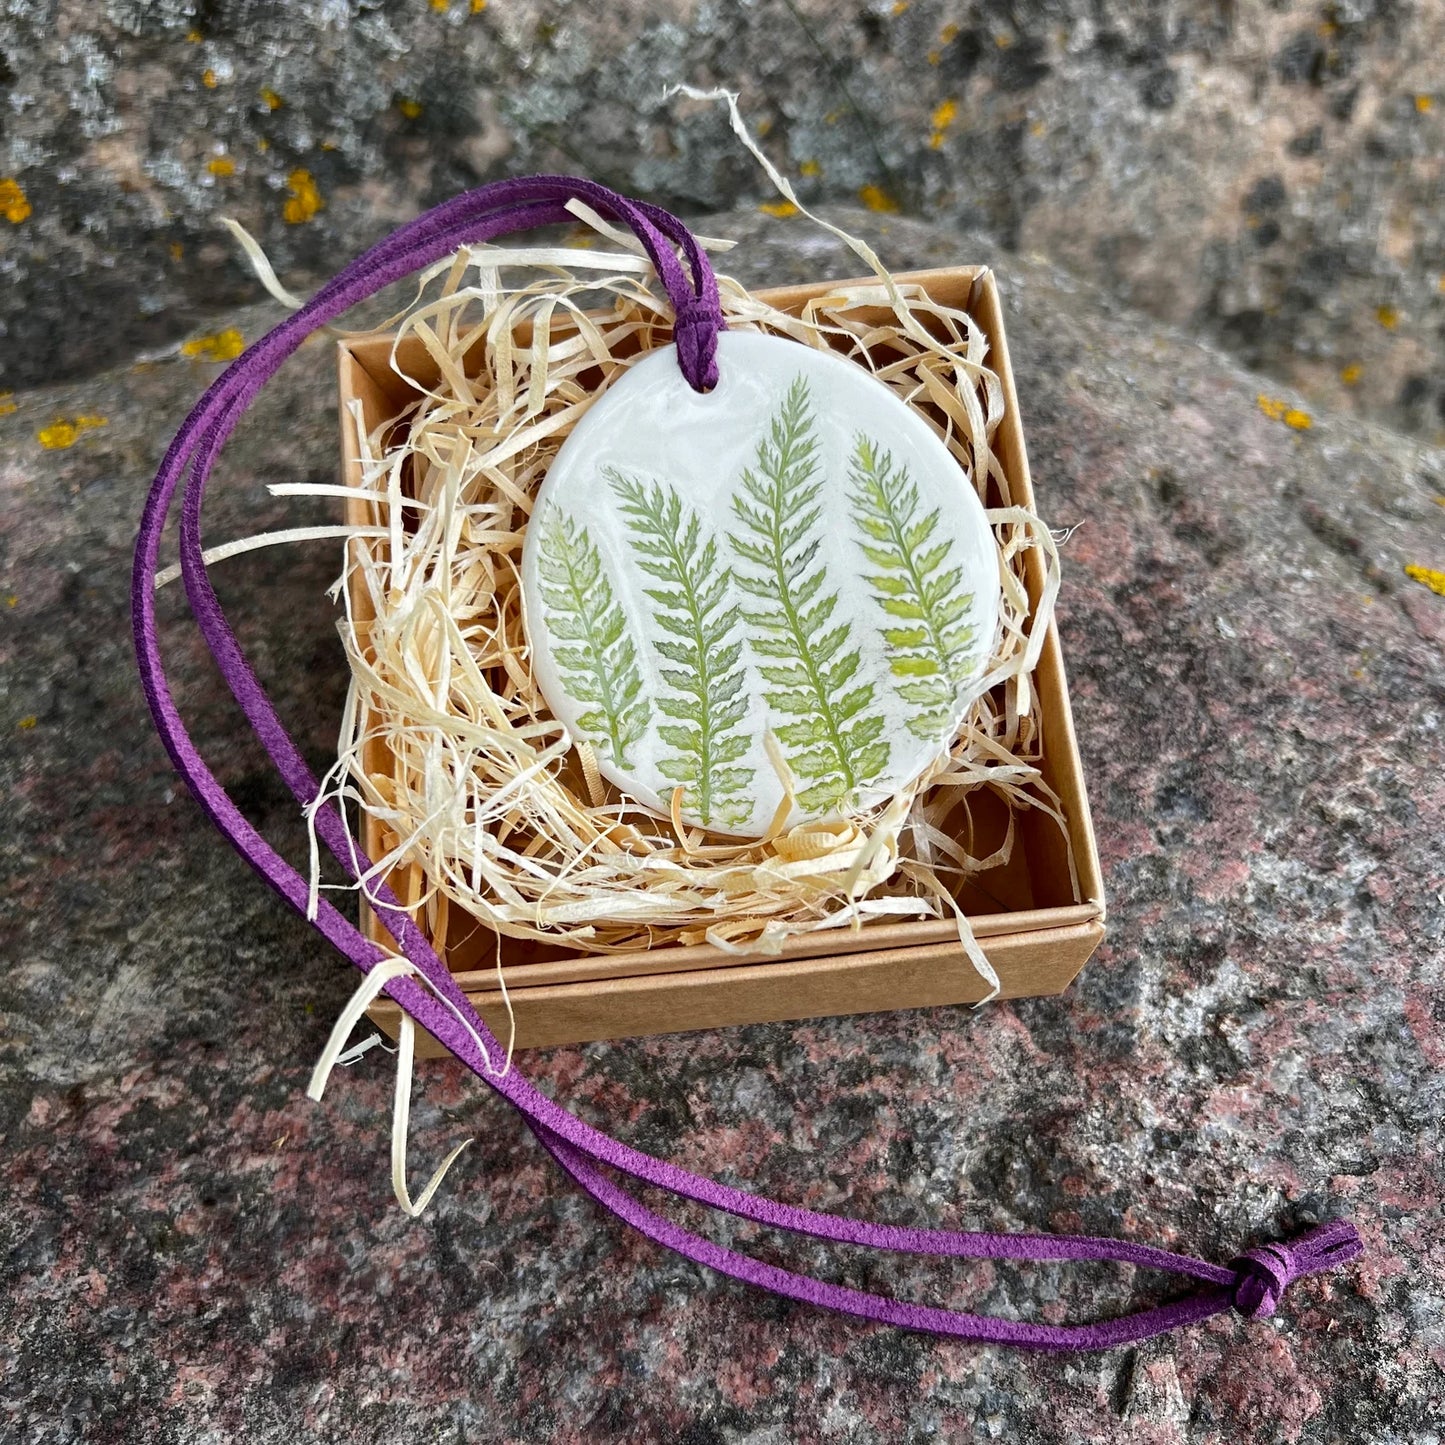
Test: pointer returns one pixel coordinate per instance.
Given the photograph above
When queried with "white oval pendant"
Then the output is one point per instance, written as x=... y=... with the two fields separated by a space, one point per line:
x=794 y=553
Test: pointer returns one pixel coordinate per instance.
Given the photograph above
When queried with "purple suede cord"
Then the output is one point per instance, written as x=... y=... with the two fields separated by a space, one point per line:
x=1252 y=1284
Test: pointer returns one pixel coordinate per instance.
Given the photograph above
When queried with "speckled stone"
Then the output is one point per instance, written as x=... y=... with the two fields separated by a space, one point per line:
x=193 y=1252
x=1264 y=172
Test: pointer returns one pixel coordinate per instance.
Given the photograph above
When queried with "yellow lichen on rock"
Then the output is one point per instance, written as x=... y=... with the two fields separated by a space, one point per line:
x=1277 y=409
x=62 y=433
x=14 y=203
x=218 y=346
x=877 y=199
x=1430 y=577
x=305 y=199
x=944 y=115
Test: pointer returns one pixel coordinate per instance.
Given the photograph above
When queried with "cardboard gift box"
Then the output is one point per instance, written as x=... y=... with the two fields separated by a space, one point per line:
x=1025 y=915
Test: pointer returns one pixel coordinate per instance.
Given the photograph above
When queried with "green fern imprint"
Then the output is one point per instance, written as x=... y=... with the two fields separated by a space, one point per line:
x=933 y=645
x=709 y=701
x=591 y=644
x=835 y=741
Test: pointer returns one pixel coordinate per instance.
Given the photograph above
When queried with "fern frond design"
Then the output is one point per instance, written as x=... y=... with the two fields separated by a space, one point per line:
x=591 y=643
x=708 y=701
x=834 y=737
x=932 y=645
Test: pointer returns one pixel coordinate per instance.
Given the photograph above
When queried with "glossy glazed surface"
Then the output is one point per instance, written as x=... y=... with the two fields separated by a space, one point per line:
x=794 y=552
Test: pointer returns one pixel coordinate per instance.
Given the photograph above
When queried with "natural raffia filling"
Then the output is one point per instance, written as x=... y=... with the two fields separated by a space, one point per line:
x=483 y=801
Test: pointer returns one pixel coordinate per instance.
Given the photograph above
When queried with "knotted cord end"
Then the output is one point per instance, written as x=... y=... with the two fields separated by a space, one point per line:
x=1264 y=1273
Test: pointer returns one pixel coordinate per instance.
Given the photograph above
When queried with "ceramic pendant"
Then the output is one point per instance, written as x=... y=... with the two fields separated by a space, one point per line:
x=794 y=552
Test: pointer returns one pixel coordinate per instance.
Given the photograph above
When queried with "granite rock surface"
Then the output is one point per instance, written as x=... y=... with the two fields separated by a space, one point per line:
x=1266 y=172
x=191 y=1251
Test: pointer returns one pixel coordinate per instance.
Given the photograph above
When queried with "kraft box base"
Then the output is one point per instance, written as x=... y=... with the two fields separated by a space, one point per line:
x=1025 y=915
